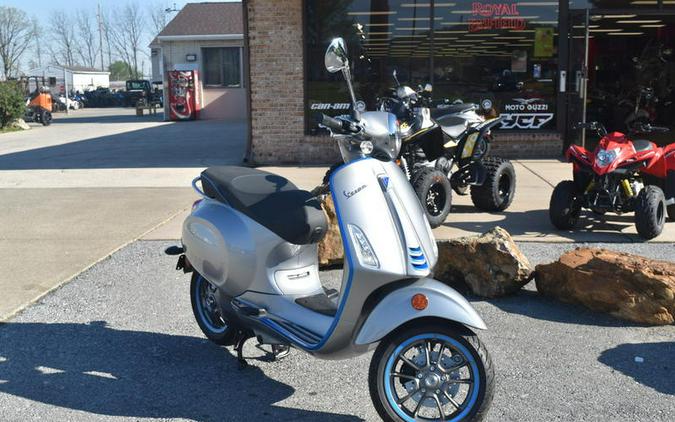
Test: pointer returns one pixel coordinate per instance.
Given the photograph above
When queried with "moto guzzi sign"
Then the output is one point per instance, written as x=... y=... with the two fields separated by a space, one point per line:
x=526 y=113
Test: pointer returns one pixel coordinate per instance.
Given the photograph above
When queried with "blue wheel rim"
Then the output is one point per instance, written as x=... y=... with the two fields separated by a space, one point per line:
x=200 y=286
x=472 y=397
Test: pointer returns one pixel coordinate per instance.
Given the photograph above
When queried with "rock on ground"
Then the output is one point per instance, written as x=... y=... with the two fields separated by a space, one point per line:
x=330 y=247
x=491 y=264
x=627 y=286
x=21 y=124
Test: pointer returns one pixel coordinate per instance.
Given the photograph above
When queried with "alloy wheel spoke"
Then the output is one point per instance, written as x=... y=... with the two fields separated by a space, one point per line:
x=450 y=399
x=440 y=356
x=440 y=408
x=419 y=406
x=405 y=376
x=427 y=352
x=410 y=363
x=407 y=397
x=464 y=381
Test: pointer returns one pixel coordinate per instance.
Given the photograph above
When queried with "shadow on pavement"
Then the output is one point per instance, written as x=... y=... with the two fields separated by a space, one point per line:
x=537 y=221
x=102 y=370
x=656 y=371
x=174 y=145
x=111 y=118
x=533 y=305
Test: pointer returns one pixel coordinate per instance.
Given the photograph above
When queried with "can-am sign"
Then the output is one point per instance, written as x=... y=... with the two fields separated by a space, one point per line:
x=487 y=16
x=526 y=113
x=330 y=106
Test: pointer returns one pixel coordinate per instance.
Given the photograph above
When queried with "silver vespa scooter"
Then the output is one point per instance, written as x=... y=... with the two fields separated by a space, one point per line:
x=251 y=243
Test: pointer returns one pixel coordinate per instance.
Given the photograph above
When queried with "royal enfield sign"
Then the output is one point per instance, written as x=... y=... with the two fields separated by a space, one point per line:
x=490 y=16
x=526 y=114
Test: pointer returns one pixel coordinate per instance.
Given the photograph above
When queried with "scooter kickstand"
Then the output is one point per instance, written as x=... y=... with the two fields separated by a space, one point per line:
x=239 y=347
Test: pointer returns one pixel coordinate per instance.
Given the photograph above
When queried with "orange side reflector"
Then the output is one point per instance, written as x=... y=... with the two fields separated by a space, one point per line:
x=419 y=302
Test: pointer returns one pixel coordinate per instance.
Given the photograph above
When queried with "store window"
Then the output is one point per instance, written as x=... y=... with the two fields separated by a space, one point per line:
x=222 y=67
x=469 y=50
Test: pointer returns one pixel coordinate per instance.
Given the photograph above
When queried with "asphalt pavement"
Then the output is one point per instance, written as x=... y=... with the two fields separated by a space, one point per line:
x=119 y=343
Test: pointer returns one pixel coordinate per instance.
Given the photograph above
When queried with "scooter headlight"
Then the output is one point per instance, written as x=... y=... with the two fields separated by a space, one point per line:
x=604 y=157
x=366 y=147
x=364 y=251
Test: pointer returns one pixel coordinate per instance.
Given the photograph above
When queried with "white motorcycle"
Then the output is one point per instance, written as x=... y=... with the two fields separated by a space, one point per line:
x=251 y=243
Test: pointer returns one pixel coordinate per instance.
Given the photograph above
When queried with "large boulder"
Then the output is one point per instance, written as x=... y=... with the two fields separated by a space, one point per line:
x=627 y=286
x=330 y=247
x=490 y=265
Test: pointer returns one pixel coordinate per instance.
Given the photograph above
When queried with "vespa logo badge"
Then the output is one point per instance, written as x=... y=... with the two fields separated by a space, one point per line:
x=349 y=194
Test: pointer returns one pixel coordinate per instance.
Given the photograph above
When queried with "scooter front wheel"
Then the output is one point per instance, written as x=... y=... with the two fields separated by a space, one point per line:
x=431 y=372
x=207 y=312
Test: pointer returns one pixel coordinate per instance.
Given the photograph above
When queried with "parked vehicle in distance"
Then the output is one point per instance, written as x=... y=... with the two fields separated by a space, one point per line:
x=251 y=243
x=621 y=175
x=141 y=93
x=447 y=149
x=39 y=107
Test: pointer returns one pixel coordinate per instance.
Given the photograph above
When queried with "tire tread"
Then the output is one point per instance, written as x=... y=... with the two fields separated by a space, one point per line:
x=484 y=197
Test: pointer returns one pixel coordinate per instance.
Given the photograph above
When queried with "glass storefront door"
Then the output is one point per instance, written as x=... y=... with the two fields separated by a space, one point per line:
x=630 y=70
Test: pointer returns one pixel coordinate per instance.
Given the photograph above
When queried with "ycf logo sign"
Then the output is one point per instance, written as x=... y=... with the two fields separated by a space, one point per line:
x=521 y=113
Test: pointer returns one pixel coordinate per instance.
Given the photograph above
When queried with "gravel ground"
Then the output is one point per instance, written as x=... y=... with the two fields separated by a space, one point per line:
x=119 y=343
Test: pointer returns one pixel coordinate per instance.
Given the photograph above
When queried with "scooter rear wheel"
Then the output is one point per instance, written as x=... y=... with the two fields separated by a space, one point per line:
x=431 y=372
x=207 y=313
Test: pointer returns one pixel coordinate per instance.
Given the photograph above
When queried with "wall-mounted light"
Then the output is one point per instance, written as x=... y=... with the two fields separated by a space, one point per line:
x=190 y=57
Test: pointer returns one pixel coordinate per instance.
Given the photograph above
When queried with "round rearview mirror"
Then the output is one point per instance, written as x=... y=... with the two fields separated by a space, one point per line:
x=336 y=56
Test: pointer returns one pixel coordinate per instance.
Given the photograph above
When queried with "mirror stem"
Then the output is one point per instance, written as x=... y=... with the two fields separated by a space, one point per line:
x=348 y=77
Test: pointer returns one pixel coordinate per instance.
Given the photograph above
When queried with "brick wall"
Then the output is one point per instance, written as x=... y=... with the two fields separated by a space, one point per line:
x=527 y=144
x=277 y=97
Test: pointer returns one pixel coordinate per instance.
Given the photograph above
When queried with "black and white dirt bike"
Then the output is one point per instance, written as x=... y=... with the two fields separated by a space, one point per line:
x=448 y=150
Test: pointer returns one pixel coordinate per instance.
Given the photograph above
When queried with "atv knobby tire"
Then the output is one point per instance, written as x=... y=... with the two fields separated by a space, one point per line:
x=564 y=210
x=497 y=193
x=650 y=212
x=435 y=194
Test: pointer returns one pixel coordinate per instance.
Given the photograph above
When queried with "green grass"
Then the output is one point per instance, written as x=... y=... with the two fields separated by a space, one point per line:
x=9 y=129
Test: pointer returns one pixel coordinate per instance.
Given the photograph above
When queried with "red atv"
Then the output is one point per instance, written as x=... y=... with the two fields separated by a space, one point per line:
x=621 y=175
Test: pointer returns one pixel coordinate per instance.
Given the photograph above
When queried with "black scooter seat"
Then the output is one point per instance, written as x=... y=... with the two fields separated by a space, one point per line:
x=269 y=199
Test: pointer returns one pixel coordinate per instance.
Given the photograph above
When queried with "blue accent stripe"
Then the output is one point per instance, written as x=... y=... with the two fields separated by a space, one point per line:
x=348 y=257
x=417 y=249
x=420 y=266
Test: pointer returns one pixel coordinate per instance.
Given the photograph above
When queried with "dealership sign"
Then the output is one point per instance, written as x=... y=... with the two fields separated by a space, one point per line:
x=487 y=16
x=330 y=106
x=522 y=113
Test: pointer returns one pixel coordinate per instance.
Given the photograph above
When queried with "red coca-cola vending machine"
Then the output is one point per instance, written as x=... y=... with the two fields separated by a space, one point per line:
x=184 y=95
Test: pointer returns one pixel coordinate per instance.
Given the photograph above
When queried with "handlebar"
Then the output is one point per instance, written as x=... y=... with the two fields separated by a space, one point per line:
x=337 y=125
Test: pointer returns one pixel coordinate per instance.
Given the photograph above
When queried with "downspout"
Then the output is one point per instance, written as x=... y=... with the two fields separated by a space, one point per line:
x=248 y=154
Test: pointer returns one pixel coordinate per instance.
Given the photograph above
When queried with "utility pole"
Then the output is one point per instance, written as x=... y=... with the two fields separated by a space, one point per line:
x=100 y=35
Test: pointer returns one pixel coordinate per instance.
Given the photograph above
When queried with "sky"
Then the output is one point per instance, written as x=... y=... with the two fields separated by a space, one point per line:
x=41 y=10
x=41 y=7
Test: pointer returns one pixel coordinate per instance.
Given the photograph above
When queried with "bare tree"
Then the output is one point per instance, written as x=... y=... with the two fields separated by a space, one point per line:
x=157 y=14
x=127 y=34
x=87 y=46
x=64 y=46
x=37 y=42
x=106 y=29
x=16 y=34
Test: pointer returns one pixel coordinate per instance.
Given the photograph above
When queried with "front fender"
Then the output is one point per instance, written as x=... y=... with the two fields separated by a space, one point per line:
x=395 y=309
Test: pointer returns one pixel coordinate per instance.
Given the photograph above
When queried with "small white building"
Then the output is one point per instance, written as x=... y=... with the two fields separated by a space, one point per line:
x=77 y=78
x=207 y=37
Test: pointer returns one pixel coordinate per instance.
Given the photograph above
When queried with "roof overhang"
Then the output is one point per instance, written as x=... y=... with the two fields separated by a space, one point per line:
x=205 y=37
